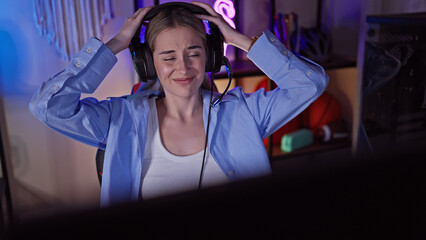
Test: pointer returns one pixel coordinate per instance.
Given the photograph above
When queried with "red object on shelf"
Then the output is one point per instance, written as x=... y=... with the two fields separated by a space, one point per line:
x=289 y=127
x=324 y=110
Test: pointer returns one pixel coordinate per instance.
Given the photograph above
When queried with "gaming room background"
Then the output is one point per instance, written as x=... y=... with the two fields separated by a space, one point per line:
x=377 y=89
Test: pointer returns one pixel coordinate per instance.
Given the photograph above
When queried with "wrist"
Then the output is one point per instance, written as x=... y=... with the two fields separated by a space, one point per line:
x=111 y=44
x=253 y=40
x=243 y=42
x=115 y=45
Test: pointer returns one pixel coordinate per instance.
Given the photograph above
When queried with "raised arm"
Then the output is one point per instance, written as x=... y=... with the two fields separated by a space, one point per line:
x=57 y=103
x=300 y=82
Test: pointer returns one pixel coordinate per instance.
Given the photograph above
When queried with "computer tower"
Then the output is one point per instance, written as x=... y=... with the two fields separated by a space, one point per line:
x=393 y=92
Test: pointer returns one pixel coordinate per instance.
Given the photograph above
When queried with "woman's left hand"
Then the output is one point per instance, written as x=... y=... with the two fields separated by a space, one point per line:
x=231 y=36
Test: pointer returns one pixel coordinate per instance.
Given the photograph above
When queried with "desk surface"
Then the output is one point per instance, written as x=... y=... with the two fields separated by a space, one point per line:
x=365 y=197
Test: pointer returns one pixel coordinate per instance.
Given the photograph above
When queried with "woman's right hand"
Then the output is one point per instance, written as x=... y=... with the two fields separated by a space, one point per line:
x=122 y=40
x=232 y=36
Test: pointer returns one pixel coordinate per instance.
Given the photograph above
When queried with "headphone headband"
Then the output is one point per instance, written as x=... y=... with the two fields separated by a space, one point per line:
x=171 y=5
x=142 y=54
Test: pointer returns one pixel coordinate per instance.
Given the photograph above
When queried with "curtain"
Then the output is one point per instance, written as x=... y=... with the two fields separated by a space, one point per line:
x=68 y=24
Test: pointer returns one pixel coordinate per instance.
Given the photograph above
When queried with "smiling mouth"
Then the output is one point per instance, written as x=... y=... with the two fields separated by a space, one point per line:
x=185 y=80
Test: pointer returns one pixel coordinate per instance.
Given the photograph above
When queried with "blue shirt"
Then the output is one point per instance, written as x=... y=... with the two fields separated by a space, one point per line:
x=238 y=123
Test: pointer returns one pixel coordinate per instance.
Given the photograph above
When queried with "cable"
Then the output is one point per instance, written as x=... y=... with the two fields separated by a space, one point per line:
x=213 y=104
x=207 y=133
x=229 y=71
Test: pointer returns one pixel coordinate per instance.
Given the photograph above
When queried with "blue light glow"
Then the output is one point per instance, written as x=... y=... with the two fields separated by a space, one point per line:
x=9 y=65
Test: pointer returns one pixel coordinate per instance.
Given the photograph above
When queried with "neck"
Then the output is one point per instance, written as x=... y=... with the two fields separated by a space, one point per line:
x=182 y=108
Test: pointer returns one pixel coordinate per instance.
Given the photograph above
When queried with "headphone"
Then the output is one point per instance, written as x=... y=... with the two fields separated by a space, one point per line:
x=142 y=54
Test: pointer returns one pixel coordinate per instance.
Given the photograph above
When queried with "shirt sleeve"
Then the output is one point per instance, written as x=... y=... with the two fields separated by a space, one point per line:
x=57 y=103
x=300 y=82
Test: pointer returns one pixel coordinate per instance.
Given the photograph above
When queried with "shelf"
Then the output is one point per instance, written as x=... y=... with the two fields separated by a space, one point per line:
x=315 y=148
x=400 y=19
x=246 y=68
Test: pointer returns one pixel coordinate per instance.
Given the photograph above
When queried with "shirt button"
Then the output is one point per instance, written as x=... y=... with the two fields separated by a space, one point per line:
x=78 y=64
x=56 y=87
x=309 y=73
x=272 y=39
x=231 y=173
x=88 y=50
x=285 y=52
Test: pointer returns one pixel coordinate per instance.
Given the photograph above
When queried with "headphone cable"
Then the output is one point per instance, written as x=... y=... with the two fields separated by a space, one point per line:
x=213 y=104
x=229 y=72
x=207 y=132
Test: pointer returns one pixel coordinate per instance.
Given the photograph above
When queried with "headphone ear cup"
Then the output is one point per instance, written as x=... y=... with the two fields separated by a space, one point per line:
x=144 y=63
x=214 y=54
x=151 y=73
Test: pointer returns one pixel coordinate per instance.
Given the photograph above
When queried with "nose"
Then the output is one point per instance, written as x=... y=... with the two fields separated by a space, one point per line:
x=183 y=64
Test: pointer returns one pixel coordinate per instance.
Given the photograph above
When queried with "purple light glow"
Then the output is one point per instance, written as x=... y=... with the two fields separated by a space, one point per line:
x=227 y=10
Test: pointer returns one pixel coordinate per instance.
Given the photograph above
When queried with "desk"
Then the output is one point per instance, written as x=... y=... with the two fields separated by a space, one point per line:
x=380 y=197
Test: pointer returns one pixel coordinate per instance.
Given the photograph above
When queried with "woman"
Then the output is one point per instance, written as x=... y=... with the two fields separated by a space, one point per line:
x=154 y=140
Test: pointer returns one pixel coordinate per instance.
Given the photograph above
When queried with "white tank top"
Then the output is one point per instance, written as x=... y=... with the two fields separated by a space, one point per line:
x=164 y=173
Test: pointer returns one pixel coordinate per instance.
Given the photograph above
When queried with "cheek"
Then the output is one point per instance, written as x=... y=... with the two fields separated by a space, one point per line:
x=201 y=64
x=161 y=68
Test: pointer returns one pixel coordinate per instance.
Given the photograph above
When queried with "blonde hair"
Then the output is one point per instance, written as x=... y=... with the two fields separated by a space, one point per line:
x=171 y=18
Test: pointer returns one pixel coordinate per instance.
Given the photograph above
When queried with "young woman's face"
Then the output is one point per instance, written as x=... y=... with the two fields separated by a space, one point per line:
x=180 y=60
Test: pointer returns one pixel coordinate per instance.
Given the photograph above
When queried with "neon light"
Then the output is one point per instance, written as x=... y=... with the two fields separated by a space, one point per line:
x=227 y=10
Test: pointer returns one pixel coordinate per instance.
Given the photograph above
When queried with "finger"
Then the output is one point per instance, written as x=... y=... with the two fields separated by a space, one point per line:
x=141 y=12
x=137 y=17
x=207 y=7
x=206 y=17
x=137 y=11
x=216 y=20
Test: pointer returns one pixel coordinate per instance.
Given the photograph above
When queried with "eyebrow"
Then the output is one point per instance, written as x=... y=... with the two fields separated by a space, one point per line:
x=194 y=47
x=172 y=51
x=167 y=52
